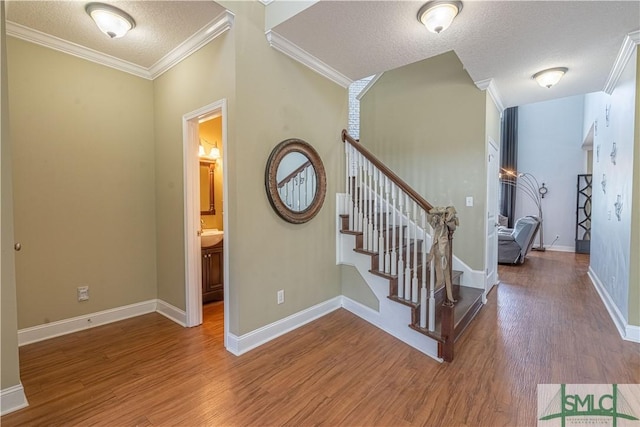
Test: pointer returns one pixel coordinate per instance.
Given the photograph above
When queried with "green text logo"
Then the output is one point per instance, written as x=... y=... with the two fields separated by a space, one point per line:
x=585 y=404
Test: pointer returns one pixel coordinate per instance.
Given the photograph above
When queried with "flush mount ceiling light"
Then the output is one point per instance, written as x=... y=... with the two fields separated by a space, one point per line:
x=112 y=21
x=548 y=78
x=438 y=15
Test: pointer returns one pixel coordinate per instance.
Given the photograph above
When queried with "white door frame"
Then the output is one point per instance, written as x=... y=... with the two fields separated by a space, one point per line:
x=492 y=180
x=192 y=261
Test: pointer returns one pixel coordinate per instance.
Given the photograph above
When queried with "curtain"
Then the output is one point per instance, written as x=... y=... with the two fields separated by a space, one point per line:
x=509 y=160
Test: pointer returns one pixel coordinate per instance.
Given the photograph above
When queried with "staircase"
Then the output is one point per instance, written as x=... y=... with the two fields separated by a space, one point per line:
x=383 y=232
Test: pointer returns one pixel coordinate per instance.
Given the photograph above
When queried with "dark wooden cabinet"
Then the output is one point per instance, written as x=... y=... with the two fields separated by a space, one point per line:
x=212 y=273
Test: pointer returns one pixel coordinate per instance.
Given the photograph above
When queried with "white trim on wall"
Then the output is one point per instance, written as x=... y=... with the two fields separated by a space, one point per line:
x=369 y=85
x=630 y=42
x=171 y=312
x=300 y=55
x=91 y=320
x=12 y=398
x=213 y=29
x=241 y=344
x=626 y=331
x=490 y=86
x=560 y=248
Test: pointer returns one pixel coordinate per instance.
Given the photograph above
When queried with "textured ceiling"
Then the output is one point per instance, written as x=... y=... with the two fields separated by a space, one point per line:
x=507 y=41
x=160 y=25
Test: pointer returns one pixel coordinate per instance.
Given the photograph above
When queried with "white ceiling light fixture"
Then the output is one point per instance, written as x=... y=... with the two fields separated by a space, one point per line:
x=549 y=77
x=112 y=21
x=438 y=15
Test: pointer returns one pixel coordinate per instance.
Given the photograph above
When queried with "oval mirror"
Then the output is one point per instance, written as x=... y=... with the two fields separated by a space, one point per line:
x=295 y=181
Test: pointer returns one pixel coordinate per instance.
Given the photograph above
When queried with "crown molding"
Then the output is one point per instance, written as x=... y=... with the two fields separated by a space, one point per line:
x=369 y=85
x=631 y=40
x=56 y=43
x=293 y=51
x=490 y=86
x=266 y=2
x=213 y=29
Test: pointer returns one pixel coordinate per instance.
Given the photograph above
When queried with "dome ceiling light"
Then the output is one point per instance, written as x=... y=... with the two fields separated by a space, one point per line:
x=438 y=15
x=549 y=77
x=112 y=21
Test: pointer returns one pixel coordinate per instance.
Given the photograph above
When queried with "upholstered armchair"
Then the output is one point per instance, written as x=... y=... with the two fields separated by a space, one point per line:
x=515 y=243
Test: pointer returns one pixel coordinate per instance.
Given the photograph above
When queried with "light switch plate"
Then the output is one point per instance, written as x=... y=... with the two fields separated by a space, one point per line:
x=469 y=201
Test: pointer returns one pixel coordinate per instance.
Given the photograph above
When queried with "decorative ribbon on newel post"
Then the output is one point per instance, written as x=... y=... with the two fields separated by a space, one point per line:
x=444 y=222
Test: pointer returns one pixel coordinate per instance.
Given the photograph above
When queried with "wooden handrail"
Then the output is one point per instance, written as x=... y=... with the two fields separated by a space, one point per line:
x=294 y=173
x=388 y=172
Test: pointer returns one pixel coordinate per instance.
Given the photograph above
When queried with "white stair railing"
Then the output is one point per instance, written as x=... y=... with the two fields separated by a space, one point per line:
x=392 y=218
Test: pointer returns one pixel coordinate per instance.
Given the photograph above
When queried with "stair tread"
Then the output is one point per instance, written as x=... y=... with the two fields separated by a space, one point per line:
x=467 y=299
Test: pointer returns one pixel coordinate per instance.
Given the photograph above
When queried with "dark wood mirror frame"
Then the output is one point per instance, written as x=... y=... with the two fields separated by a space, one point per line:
x=271 y=182
x=212 y=203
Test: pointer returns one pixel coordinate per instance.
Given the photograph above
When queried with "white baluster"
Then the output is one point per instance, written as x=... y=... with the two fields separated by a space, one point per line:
x=387 y=255
x=350 y=202
x=414 y=281
x=376 y=213
x=407 y=268
x=306 y=187
x=365 y=218
x=423 y=290
x=361 y=193
x=432 y=286
x=369 y=207
x=394 y=256
x=400 y=260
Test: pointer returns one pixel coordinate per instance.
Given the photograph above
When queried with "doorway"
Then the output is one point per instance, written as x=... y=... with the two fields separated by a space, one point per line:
x=491 y=249
x=192 y=225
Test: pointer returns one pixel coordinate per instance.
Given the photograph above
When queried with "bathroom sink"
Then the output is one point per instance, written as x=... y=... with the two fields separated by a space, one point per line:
x=210 y=237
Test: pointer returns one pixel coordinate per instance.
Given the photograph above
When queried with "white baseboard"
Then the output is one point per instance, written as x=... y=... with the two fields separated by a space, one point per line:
x=91 y=320
x=12 y=399
x=632 y=333
x=75 y=324
x=241 y=344
x=171 y=312
x=561 y=248
x=362 y=311
x=626 y=331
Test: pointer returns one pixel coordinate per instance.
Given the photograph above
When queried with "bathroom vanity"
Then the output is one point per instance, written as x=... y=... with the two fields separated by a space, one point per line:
x=212 y=273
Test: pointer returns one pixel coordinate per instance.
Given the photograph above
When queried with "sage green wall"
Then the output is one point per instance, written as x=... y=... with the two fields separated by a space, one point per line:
x=270 y=98
x=83 y=171
x=206 y=76
x=278 y=98
x=426 y=121
x=355 y=287
x=9 y=362
x=634 y=257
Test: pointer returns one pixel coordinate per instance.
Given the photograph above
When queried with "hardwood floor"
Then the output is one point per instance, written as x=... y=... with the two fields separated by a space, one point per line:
x=543 y=324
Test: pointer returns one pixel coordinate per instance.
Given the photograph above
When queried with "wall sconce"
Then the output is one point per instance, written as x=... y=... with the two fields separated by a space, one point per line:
x=549 y=77
x=214 y=153
x=112 y=21
x=438 y=15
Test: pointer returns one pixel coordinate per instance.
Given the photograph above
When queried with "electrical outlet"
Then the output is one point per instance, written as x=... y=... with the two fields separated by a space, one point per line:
x=281 y=296
x=469 y=201
x=83 y=293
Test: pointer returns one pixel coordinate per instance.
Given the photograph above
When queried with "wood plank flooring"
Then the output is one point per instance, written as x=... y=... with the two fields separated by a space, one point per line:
x=543 y=324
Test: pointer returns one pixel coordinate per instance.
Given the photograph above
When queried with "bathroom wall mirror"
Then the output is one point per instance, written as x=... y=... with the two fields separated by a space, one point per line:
x=295 y=181
x=207 y=193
